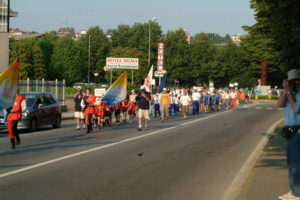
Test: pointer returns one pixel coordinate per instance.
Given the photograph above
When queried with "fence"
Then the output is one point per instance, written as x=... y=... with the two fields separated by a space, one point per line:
x=57 y=88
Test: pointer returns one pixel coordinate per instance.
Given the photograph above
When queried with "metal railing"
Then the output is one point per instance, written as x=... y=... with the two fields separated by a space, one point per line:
x=57 y=88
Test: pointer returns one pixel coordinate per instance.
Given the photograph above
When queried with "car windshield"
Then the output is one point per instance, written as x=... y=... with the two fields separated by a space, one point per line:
x=29 y=99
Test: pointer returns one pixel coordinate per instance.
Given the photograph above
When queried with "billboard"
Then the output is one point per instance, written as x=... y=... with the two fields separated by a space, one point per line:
x=122 y=63
x=160 y=57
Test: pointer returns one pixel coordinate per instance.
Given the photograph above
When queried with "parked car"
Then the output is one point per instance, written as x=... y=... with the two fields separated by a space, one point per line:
x=42 y=109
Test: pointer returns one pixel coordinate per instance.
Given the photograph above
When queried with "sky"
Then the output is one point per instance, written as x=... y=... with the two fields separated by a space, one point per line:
x=195 y=16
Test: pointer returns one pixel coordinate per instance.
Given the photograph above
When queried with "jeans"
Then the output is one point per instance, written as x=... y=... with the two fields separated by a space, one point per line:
x=293 y=161
x=195 y=107
x=156 y=110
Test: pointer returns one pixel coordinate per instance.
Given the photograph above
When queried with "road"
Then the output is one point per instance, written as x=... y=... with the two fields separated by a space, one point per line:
x=189 y=159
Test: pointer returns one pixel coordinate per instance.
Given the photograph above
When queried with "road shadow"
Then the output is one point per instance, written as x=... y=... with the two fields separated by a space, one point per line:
x=274 y=154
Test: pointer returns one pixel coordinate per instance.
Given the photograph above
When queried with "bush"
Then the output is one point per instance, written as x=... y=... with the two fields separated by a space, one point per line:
x=264 y=97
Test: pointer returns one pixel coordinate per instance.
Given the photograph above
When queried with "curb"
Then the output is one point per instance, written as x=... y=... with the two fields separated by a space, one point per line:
x=232 y=191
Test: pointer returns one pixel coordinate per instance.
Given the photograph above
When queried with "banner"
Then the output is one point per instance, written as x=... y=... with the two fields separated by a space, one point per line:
x=117 y=91
x=149 y=78
x=8 y=85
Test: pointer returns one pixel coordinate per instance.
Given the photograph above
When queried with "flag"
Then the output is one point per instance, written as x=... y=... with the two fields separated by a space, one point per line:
x=147 y=82
x=8 y=85
x=117 y=91
x=163 y=84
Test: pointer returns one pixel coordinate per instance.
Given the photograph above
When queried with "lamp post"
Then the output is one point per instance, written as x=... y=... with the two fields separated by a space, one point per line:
x=96 y=74
x=149 y=47
x=89 y=67
x=108 y=69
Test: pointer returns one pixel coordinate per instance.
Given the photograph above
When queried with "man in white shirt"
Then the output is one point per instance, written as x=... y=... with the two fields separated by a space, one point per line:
x=196 y=100
x=185 y=102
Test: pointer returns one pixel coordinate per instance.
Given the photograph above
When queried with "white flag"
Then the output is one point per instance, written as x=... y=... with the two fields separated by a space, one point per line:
x=148 y=80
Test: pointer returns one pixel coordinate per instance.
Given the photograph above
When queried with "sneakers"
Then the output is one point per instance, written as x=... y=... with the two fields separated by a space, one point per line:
x=139 y=129
x=77 y=127
x=288 y=196
x=83 y=126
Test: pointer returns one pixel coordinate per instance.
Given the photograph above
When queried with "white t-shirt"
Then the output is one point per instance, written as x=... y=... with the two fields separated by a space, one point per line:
x=233 y=95
x=185 y=100
x=196 y=96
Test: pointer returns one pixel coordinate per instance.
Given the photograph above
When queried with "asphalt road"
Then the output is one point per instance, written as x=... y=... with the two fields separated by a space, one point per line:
x=190 y=159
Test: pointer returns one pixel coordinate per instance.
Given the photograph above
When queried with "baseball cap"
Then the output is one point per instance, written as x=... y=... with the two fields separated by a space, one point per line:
x=143 y=87
x=79 y=88
x=294 y=73
x=165 y=89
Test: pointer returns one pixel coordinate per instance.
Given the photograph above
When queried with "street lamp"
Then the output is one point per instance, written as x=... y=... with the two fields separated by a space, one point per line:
x=89 y=68
x=96 y=74
x=107 y=70
x=152 y=20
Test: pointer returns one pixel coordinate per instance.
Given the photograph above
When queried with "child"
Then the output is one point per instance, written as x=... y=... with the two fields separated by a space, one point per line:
x=124 y=108
x=100 y=111
x=117 y=108
x=131 y=111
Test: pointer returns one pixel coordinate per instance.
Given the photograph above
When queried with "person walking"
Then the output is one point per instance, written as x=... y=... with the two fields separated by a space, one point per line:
x=13 y=117
x=290 y=101
x=233 y=98
x=196 y=99
x=164 y=105
x=79 y=114
x=90 y=110
x=185 y=102
x=156 y=106
x=143 y=100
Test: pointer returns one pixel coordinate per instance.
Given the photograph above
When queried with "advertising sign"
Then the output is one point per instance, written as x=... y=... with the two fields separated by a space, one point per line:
x=99 y=92
x=122 y=63
x=160 y=57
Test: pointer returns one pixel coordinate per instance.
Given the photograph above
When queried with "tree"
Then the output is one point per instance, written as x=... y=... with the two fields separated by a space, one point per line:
x=177 y=57
x=279 y=21
x=31 y=59
x=67 y=61
x=99 y=50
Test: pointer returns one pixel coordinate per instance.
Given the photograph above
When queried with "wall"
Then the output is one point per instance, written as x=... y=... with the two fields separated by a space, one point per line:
x=4 y=51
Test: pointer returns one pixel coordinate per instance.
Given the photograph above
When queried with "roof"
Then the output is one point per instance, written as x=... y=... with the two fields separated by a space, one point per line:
x=25 y=36
x=12 y=13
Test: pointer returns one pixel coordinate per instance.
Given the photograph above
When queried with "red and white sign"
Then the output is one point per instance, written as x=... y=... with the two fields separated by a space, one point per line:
x=122 y=63
x=160 y=57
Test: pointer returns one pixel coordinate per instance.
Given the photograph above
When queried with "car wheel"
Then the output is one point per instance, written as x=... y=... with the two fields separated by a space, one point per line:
x=57 y=122
x=33 y=125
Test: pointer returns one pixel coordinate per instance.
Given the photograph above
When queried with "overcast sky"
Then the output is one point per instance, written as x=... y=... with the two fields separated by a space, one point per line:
x=215 y=16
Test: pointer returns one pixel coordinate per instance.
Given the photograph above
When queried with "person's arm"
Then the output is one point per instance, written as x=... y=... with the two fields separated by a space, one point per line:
x=23 y=105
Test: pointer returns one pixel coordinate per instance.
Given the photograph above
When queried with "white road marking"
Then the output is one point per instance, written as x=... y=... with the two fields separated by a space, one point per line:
x=258 y=108
x=102 y=147
x=269 y=108
x=240 y=177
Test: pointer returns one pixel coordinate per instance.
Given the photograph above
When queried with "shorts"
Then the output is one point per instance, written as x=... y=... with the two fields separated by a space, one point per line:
x=117 y=112
x=79 y=114
x=144 y=113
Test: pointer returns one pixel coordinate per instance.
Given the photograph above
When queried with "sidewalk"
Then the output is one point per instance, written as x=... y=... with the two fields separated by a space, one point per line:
x=67 y=115
x=269 y=177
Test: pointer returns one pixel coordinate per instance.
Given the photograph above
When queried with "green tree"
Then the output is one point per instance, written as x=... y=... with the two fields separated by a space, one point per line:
x=280 y=22
x=67 y=61
x=177 y=57
x=99 y=50
x=31 y=59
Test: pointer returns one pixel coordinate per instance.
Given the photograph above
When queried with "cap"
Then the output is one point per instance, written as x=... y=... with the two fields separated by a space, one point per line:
x=132 y=91
x=78 y=87
x=143 y=87
x=294 y=73
x=165 y=89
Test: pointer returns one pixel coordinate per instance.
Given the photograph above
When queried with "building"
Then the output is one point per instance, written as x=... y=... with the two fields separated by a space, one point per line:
x=66 y=31
x=237 y=38
x=188 y=36
x=4 y=14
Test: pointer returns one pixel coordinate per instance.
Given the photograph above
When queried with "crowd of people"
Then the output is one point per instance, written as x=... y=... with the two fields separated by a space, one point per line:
x=92 y=111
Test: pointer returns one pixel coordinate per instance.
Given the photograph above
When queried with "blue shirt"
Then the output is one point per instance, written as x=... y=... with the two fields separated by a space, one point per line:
x=292 y=117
